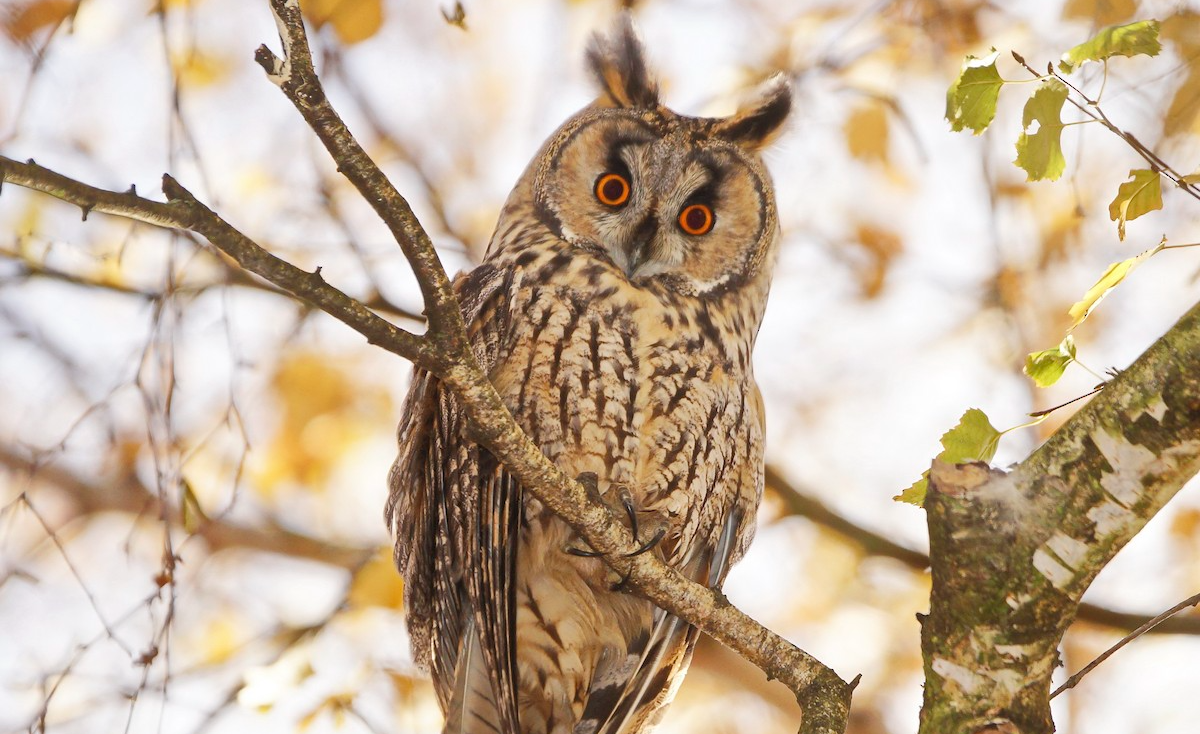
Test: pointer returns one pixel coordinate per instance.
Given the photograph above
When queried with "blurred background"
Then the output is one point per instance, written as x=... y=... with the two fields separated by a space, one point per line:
x=192 y=466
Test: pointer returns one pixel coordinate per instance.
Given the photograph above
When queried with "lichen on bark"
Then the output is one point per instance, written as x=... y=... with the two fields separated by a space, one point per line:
x=1013 y=552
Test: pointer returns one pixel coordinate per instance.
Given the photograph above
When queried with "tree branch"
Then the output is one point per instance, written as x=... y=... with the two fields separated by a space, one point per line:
x=1014 y=552
x=127 y=494
x=1146 y=628
x=445 y=352
x=805 y=505
x=184 y=211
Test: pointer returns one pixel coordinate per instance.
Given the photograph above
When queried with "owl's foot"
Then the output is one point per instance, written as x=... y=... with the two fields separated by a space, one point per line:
x=588 y=480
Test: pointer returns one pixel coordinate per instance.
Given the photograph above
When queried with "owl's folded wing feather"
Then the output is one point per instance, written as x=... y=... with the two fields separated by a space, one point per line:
x=454 y=511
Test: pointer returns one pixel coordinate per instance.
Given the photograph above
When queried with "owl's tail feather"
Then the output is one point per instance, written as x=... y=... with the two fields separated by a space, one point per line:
x=668 y=652
x=472 y=707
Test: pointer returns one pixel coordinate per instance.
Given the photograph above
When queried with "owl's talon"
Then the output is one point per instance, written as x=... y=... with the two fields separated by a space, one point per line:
x=649 y=544
x=584 y=553
x=588 y=479
x=631 y=511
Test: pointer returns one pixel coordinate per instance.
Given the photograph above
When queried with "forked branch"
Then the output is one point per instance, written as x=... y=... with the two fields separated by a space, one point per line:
x=444 y=351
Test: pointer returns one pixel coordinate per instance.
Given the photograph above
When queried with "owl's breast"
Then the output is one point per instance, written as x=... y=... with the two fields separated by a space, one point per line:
x=607 y=378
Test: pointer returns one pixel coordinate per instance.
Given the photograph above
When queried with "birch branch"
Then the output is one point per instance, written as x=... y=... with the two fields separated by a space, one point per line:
x=1012 y=553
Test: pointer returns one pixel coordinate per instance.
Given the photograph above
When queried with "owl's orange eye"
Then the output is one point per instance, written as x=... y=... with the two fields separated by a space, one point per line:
x=696 y=219
x=612 y=189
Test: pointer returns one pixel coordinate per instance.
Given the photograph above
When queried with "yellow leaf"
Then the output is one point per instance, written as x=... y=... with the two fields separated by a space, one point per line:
x=1111 y=279
x=1183 y=114
x=221 y=640
x=189 y=508
x=456 y=17
x=22 y=22
x=882 y=246
x=337 y=705
x=1048 y=365
x=1186 y=524
x=1139 y=195
x=866 y=132
x=377 y=583
x=324 y=413
x=199 y=69
x=263 y=686
x=352 y=20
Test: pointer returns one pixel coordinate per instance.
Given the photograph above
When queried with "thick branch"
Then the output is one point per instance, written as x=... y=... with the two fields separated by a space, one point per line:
x=824 y=696
x=802 y=503
x=1013 y=553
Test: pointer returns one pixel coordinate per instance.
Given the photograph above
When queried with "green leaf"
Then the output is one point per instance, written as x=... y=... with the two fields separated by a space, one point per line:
x=1047 y=366
x=971 y=99
x=1112 y=277
x=915 y=495
x=1040 y=154
x=1136 y=197
x=1131 y=39
x=973 y=439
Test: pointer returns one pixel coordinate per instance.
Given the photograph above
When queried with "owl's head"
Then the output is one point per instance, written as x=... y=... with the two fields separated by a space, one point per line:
x=684 y=201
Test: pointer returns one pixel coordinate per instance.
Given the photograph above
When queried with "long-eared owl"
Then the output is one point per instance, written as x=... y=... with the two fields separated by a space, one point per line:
x=615 y=312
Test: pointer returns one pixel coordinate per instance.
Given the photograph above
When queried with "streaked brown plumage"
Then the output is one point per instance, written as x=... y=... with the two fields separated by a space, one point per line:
x=616 y=319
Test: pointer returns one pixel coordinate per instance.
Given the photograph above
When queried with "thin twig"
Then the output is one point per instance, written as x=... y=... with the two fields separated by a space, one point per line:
x=823 y=694
x=184 y=211
x=805 y=504
x=445 y=352
x=1150 y=624
x=1092 y=110
x=62 y=550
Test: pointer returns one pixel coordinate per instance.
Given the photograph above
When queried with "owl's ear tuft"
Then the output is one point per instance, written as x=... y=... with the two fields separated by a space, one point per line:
x=619 y=63
x=758 y=123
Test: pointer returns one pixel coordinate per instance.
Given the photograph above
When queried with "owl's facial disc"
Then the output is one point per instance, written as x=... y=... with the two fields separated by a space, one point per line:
x=655 y=199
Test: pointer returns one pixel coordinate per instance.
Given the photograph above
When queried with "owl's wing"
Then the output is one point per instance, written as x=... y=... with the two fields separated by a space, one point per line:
x=623 y=705
x=454 y=512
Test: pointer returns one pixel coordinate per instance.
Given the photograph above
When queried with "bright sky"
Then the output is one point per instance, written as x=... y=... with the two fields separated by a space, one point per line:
x=858 y=390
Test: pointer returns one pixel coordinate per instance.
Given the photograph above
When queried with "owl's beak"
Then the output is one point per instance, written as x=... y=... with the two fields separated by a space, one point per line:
x=640 y=247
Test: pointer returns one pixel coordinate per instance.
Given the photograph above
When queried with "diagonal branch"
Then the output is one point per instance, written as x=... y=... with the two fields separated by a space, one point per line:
x=804 y=504
x=184 y=211
x=445 y=352
x=1149 y=626
x=126 y=493
x=824 y=696
x=295 y=75
x=1014 y=552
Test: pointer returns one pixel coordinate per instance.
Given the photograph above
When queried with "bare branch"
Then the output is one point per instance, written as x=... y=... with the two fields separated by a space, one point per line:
x=824 y=696
x=184 y=211
x=445 y=352
x=126 y=493
x=806 y=505
x=1091 y=109
x=1073 y=681
x=295 y=75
